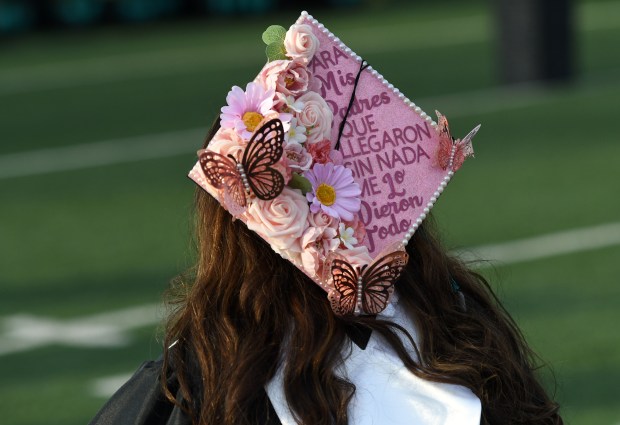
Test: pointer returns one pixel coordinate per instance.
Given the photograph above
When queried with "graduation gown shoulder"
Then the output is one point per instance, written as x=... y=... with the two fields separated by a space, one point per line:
x=140 y=401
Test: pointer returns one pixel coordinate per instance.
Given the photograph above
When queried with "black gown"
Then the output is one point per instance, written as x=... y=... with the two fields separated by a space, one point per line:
x=140 y=401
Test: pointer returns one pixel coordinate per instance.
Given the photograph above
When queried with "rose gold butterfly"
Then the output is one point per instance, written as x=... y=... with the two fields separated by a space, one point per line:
x=254 y=174
x=366 y=289
x=452 y=152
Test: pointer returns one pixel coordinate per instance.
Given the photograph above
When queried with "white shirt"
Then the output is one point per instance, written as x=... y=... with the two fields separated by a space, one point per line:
x=388 y=393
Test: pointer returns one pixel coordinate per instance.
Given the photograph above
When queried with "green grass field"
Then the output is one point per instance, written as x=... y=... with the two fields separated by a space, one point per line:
x=77 y=244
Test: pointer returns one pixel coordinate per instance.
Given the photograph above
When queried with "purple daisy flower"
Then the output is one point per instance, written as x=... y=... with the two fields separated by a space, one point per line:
x=246 y=109
x=333 y=190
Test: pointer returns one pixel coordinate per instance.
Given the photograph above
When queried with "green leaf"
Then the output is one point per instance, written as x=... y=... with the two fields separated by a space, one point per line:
x=300 y=182
x=274 y=34
x=275 y=51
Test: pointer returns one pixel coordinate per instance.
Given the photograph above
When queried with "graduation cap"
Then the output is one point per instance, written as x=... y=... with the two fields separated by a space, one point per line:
x=330 y=164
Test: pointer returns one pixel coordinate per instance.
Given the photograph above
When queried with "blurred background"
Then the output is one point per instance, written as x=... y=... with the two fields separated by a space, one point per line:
x=103 y=104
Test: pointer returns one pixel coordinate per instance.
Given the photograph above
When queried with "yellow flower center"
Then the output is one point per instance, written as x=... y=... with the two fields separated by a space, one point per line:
x=326 y=194
x=289 y=81
x=251 y=120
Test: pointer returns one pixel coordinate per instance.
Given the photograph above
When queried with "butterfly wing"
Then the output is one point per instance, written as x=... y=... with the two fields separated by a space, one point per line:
x=343 y=295
x=464 y=149
x=378 y=280
x=263 y=151
x=221 y=173
x=445 y=141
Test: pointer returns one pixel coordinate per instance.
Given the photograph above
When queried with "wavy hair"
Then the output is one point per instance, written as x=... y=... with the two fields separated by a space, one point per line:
x=241 y=301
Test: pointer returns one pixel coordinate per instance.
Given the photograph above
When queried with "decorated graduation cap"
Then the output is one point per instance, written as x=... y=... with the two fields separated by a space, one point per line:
x=330 y=164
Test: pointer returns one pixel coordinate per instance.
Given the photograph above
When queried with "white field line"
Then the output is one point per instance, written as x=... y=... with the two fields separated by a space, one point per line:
x=179 y=61
x=107 y=152
x=551 y=245
x=161 y=145
x=24 y=332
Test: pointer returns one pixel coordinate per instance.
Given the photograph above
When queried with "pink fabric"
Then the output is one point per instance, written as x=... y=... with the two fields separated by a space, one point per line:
x=388 y=146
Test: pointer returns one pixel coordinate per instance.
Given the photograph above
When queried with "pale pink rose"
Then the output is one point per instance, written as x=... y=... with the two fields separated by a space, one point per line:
x=359 y=230
x=316 y=116
x=317 y=242
x=297 y=158
x=281 y=221
x=300 y=42
x=288 y=77
x=357 y=256
x=320 y=151
x=322 y=219
x=227 y=142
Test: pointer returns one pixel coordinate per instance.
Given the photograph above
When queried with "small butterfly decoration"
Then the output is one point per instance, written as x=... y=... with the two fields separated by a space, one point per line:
x=452 y=152
x=253 y=175
x=366 y=289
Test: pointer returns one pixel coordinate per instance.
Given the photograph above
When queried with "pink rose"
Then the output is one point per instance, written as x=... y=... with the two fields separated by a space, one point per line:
x=290 y=78
x=320 y=151
x=227 y=142
x=317 y=242
x=300 y=42
x=322 y=219
x=316 y=116
x=281 y=222
x=297 y=158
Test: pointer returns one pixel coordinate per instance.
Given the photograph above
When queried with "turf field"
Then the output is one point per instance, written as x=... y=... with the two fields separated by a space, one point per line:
x=98 y=130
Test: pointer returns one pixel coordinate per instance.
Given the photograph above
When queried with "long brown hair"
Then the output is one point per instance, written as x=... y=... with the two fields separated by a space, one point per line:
x=242 y=301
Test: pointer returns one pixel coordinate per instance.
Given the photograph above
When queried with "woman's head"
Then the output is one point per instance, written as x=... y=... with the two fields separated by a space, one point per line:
x=243 y=311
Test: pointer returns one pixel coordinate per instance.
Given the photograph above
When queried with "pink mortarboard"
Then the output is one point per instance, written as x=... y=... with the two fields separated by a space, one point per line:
x=330 y=164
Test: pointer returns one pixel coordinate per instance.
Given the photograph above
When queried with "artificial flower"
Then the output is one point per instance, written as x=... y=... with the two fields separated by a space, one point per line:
x=297 y=158
x=317 y=242
x=346 y=236
x=322 y=219
x=227 y=142
x=288 y=77
x=293 y=105
x=359 y=230
x=247 y=109
x=316 y=116
x=320 y=151
x=296 y=133
x=280 y=221
x=333 y=191
x=300 y=42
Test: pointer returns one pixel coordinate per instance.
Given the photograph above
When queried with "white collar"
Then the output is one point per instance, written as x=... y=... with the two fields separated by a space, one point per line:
x=388 y=393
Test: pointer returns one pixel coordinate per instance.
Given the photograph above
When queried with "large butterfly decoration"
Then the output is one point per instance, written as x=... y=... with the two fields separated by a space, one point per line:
x=366 y=289
x=452 y=152
x=254 y=175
